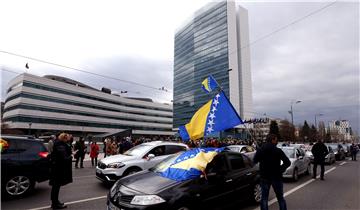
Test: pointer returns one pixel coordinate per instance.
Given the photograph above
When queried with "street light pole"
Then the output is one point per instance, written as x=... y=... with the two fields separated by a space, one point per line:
x=30 y=128
x=291 y=110
x=315 y=119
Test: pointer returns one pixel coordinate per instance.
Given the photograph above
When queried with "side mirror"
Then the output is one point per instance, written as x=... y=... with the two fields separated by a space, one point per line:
x=150 y=156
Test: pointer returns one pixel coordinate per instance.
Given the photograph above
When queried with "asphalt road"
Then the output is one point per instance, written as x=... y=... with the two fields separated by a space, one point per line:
x=339 y=191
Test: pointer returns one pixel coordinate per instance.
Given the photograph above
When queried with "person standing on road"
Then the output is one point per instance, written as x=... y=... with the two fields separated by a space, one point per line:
x=94 y=152
x=271 y=170
x=319 y=151
x=61 y=168
x=353 y=150
x=80 y=150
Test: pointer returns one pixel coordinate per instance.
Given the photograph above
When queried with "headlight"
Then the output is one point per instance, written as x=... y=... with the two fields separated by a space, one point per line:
x=113 y=190
x=145 y=200
x=115 y=165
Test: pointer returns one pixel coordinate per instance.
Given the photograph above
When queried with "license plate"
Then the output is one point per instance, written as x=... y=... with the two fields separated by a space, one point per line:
x=112 y=207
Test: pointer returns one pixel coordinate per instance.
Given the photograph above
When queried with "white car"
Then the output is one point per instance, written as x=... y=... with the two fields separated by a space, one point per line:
x=300 y=164
x=140 y=157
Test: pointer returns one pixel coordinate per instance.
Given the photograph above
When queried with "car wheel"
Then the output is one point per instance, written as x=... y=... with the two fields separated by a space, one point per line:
x=295 y=175
x=18 y=185
x=131 y=171
x=257 y=193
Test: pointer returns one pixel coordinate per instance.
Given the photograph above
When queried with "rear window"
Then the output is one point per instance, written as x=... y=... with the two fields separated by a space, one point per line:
x=30 y=146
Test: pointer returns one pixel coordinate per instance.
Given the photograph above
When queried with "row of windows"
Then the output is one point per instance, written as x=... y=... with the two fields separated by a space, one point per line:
x=30 y=107
x=74 y=123
x=81 y=95
x=67 y=102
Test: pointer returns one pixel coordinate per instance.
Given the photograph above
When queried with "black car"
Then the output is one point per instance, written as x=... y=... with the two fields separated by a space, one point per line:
x=229 y=176
x=24 y=161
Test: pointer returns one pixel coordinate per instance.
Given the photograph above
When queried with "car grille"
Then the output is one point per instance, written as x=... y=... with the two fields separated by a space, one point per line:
x=101 y=165
x=126 y=198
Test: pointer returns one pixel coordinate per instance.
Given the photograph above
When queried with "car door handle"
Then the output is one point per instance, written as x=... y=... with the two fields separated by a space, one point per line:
x=229 y=180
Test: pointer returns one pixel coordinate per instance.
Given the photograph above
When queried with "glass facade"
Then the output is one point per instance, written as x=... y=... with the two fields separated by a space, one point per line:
x=201 y=49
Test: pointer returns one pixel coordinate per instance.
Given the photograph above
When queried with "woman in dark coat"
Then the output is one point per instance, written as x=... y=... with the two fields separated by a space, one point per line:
x=61 y=168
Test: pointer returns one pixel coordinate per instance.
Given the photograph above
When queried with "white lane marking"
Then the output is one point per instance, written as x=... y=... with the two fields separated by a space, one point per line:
x=73 y=202
x=296 y=188
x=77 y=177
x=342 y=163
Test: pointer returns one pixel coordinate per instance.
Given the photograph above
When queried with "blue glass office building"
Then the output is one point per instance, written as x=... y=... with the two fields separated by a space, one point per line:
x=212 y=42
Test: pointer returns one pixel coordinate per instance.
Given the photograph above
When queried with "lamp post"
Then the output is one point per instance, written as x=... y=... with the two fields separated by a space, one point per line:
x=291 y=110
x=315 y=119
x=30 y=128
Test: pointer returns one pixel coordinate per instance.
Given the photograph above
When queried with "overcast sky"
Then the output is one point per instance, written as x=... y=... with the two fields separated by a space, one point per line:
x=315 y=60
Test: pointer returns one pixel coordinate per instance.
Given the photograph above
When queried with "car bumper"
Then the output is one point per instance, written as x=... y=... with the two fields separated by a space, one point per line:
x=111 y=206
x=288 y=173
x=107 y=175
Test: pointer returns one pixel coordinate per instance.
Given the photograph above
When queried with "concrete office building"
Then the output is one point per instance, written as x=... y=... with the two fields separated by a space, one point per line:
x=215 y=41
x=52 y=104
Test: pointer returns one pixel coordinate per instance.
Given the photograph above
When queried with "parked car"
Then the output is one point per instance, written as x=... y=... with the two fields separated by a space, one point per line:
x=300 y=164
x=329 y=158
x=245 y=149
x=140 y=157
x=338 y=150
x=346 y=148
x=23 y=163
x=230 y=176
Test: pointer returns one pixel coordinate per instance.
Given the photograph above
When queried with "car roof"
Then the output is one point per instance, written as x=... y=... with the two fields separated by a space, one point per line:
x=288 y=147
x=26 y=138
x=157 y=143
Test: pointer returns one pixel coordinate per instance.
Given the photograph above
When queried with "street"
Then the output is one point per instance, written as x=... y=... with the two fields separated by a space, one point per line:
x=340 y=190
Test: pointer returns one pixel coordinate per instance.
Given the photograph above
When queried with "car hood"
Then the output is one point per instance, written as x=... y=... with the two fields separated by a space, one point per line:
x=118 y=158
x=147 y=182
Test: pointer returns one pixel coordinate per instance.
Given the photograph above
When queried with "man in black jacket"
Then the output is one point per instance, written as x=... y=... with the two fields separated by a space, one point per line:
x=271 y=170
x=319 y=151
x=61 y=168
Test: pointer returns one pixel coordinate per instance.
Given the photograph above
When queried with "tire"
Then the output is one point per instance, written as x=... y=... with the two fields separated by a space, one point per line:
x=131 y=171
x=18 y=185
x=256 y=195
x=296 y=175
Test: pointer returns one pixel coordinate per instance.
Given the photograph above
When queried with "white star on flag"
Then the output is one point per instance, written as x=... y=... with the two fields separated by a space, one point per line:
x=212 y=115
x=213 y=109
x=211 y=122
x=216 y=102
x=217 y=96
x=209 y=129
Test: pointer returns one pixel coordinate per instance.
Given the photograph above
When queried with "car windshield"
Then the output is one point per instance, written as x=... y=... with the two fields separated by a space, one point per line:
x=334 y=146
x=138 y=150
x=163 y=165
x=234 y=148
x=289 y=152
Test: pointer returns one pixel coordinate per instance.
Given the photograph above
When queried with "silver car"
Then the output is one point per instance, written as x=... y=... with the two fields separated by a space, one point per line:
x=300 y=164
x=140 y=157
x=245 y=149
x=329 y=158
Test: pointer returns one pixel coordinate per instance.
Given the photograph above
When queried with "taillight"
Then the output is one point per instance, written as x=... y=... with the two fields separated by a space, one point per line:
x=43 y=154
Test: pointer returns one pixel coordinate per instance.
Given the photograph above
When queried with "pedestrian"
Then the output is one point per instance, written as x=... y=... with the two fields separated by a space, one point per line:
x=80 y=150
x=51 y=143
x=353 y=150
x=61 y=168
x=94 y=152
x=104 y=148
x=319 y=151
x=269 y=156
